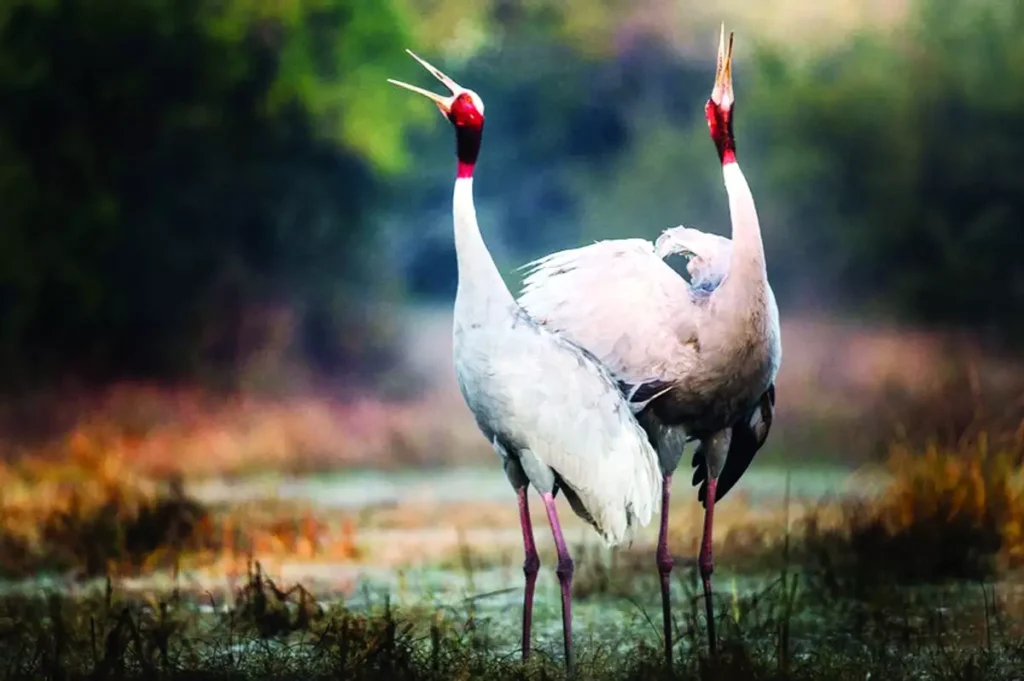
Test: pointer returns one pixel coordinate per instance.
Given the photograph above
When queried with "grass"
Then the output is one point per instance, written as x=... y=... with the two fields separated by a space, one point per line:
x=965 y=403
x=88 y=513
x=81 y=506
x=912 y=584
x=92 y=514
x=948 y=515
x=843 y=596
x=265 y=631
x=955 y=508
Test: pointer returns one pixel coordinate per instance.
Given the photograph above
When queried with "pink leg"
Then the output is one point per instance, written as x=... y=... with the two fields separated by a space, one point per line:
x=665 y=562
x=564 y=572
x=707 y=563
x=530 y=566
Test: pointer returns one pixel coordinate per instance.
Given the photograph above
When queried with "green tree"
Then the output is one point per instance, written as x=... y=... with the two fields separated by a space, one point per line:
x=898 y=163
x=165 y=163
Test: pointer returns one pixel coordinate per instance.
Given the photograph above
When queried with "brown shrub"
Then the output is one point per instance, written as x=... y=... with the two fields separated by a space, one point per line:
x=948 y=514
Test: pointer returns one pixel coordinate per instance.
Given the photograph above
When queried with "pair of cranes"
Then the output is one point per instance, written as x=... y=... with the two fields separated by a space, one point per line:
x=610 y=362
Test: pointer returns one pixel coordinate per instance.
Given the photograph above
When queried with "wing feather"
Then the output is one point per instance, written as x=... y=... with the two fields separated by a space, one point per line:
x=708 y=255
x=619 y=300
x=557 y=401
x=623 y=302
x=747 y=439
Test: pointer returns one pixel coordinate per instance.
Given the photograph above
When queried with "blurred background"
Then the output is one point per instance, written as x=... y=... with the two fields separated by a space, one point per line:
x=225 y=240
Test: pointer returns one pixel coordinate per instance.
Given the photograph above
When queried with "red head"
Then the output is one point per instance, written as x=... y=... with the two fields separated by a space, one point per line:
x=463 y=108
x=719 y=108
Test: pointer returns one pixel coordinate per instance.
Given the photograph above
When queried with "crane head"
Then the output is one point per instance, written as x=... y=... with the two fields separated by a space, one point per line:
x=462 y=107
x=718 y=110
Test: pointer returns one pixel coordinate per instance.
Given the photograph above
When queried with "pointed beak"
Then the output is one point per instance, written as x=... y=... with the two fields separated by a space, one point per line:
x=722 y=93
x=443 y=103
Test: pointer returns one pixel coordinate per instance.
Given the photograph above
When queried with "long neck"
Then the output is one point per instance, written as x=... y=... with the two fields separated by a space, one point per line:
x=477 y=271
x=747 y=272
x=747 y=247
x=480 y=283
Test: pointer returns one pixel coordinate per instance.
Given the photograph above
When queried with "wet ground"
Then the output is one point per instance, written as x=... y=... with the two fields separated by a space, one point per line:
x=451 y=538
x=440 y=537
x=447 y=542
x=355 y=489
x=410 y=525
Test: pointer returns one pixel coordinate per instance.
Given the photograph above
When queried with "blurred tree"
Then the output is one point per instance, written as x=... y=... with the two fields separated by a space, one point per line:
x=461 y=30
x=555 y=110
x=887 y=171
x=166 y=165
x=899 y=163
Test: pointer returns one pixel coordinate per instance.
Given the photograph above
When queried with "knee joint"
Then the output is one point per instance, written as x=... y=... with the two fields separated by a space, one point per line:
x=531 y=565
x=565 y=568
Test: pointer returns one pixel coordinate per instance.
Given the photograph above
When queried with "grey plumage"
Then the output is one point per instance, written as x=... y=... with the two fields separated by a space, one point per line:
x=696 y=356
x=557 y=418
x=704 y=361
x=554 y=414
x=697 y=359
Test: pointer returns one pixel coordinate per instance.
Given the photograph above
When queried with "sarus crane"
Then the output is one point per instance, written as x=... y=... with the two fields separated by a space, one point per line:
x=554 y=414
x=706 y=350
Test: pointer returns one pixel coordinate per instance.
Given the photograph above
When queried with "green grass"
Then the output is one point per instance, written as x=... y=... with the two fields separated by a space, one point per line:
x=786 y=630
x=887 y=587
x=918 y=583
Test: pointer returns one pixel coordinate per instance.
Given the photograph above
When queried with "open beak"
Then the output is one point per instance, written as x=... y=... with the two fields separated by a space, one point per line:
x=722 y=93
x=443 y=103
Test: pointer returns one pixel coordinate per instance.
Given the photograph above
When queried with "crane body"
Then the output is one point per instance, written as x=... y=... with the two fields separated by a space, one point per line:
x=557 y=420
x=554 y=414
x=698 y=358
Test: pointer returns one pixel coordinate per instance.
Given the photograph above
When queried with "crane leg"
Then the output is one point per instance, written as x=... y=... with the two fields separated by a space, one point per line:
x=665 y=563
x=706 y=562
x=530 y=566
x=564 y=572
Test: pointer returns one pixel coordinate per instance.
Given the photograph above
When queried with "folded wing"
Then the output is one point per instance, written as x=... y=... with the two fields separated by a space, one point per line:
x=623 y=302
x=747 y=439
x=558 y=403
x=707 y=255
x=619 y=300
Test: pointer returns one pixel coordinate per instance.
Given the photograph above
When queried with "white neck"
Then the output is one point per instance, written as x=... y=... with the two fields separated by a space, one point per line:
x=747 y=268
x=480 y=283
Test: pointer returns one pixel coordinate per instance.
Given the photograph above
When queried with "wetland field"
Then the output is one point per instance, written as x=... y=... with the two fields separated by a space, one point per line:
x=169 y=535
x=363 y=574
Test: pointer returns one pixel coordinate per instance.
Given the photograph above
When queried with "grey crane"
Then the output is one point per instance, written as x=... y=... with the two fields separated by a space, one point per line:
x=554 y=414
x=699 y=357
